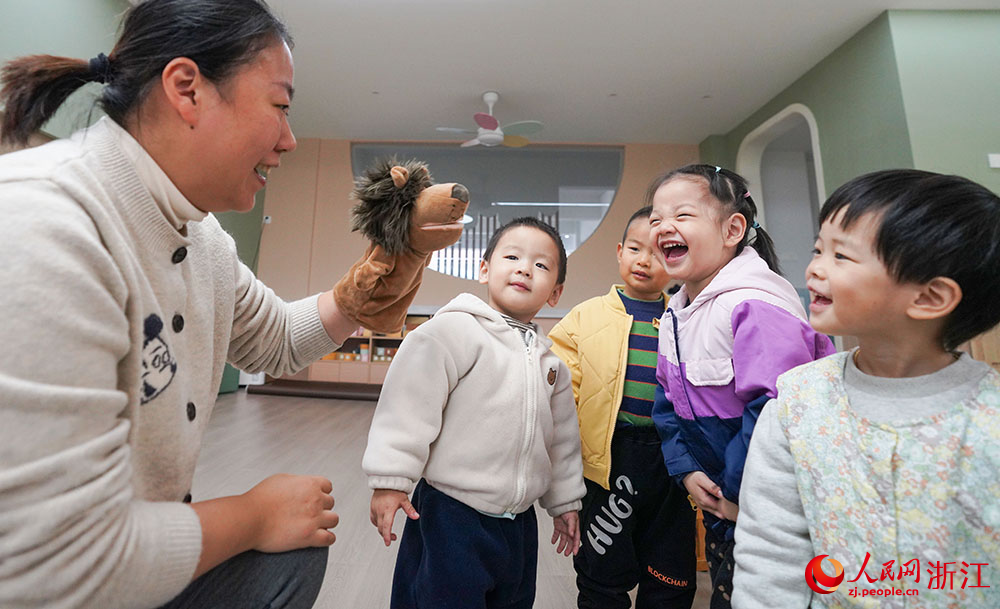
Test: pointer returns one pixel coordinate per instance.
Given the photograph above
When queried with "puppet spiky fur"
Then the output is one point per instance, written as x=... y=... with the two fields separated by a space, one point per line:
x=383 y=211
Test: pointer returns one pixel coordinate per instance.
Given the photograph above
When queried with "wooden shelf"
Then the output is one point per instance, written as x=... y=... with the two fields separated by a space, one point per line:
x=366 y=364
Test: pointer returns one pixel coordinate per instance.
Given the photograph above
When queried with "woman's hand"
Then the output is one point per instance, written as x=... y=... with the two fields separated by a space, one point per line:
x=294 y=511
x=385 y=503
x=566 y=530
x=705 y=493
x=283 y=512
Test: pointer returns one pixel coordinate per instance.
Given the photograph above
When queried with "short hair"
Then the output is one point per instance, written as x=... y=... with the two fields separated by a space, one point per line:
x=932 y=225
x=533 y=223
x=642 y=212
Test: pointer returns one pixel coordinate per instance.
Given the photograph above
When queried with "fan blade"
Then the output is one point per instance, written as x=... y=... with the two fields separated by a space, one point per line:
x=454 y=130
x=486 y=121
x=472 y=142
x=523 y=128
x=515 y=141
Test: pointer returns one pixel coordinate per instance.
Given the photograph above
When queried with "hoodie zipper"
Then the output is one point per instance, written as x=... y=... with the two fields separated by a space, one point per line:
x=530 y=407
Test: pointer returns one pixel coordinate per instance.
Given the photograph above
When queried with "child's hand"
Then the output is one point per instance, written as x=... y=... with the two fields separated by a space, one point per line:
x=705 y=493
x=385 y=502
x=729 y=509
x=567 y=532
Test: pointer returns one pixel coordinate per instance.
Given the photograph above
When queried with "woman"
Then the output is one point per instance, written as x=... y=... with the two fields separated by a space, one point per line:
x=122 y=299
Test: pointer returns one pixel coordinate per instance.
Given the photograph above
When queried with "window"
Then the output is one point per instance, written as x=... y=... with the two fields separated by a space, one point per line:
x=570 y=187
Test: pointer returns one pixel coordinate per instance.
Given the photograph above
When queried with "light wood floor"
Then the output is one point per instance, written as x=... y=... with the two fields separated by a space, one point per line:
x=253 y=436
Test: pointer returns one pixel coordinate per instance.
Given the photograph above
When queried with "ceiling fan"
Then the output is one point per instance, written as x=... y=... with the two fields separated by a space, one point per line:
x=490 y=133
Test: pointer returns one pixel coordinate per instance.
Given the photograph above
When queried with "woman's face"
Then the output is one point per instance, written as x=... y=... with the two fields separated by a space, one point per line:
x=245 y=131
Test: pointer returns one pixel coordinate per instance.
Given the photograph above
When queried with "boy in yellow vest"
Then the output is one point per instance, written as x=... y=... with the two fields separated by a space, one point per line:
x=637 y=524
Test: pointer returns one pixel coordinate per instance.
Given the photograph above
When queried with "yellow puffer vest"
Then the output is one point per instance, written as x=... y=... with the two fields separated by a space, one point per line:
x=593 y=341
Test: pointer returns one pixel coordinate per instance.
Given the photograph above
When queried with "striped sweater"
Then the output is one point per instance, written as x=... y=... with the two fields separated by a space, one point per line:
x=640 y=372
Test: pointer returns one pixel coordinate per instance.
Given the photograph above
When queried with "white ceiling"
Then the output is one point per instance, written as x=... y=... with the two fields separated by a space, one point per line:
x=605 y=71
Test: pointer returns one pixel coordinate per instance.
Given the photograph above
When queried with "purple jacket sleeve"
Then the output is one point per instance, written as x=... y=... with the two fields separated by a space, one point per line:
x=767 y=342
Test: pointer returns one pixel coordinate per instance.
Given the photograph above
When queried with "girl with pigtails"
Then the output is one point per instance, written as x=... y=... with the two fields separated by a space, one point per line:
x=733 y=327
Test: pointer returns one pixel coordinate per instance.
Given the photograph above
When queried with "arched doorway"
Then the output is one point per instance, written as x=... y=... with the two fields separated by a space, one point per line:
x=781 y=160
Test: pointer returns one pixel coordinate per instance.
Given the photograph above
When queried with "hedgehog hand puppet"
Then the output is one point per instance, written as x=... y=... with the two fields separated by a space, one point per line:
x=406 y=217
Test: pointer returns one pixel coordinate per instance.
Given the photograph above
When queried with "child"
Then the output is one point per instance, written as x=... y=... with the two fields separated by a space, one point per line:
x=478 y=415
x=642 y=530
x=734 y=326
x=887 y=454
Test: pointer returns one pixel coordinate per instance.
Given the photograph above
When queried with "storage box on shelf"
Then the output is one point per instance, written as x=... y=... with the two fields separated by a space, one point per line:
x=363 y=358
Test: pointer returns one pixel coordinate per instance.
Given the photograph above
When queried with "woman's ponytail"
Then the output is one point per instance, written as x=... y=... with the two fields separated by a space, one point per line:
x=33 y=89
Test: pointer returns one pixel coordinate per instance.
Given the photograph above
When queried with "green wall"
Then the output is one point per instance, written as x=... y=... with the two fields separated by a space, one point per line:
x=246 y=229
x=71 y=28
x=912 y=89
x=855 y=96
x=74 y=28
x=949 y=68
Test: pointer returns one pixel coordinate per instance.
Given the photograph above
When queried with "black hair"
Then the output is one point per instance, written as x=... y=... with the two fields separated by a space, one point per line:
x=642 y=212
x=533 y=223
x=218 y=35
x=731 y=190
x=932 y=225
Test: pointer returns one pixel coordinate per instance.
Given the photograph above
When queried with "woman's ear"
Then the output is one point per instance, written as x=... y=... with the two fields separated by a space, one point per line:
x=935 y=299
x=733 y=229
x=183 y=88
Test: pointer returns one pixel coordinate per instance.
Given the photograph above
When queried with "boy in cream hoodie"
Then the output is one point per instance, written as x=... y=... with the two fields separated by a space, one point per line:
x=477 y=419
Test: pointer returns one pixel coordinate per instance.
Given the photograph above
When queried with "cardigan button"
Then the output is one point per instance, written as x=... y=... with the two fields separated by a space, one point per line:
x=178 y=322
x=192 y=411
x=179 y=255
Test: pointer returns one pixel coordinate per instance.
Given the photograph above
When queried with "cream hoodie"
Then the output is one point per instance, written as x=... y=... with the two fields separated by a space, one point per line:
x=486 y=417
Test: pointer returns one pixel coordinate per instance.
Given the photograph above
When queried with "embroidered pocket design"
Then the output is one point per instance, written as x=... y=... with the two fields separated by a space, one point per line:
x=158 y=365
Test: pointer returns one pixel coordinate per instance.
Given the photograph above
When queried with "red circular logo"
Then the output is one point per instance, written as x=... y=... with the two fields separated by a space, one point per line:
x=818 y=580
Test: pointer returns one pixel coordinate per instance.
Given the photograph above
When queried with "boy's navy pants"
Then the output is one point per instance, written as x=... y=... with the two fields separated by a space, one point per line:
x=453 y=557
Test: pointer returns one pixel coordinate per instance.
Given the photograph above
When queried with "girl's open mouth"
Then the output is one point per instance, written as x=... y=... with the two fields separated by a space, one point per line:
x=673 y=253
